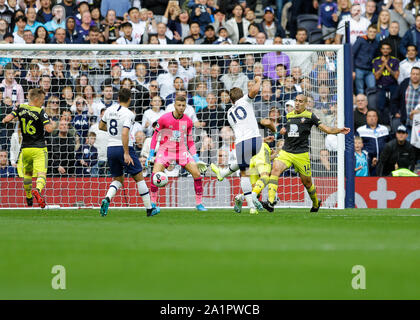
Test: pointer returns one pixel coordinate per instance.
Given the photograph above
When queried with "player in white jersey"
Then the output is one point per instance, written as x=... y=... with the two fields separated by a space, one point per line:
x=248 y=139
x=118 y=121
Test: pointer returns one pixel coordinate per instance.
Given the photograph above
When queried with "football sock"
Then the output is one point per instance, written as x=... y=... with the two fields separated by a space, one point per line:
x=27 y=185
x=198 y=187
x=224 y=172
x=113 y=188
x=312 y=194
x=273 y=185
x=40 y=183
x=247 y=189
x=153 y=190
x=260 y=185
x=144 y=193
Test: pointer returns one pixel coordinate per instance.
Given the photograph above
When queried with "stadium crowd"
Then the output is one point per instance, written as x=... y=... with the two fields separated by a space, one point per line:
x=385 y=37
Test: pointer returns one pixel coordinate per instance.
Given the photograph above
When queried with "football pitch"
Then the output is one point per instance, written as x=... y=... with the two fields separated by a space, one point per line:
x=185 y=254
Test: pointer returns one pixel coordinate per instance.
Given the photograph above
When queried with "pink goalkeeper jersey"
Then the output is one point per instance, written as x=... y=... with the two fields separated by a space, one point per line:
x=176 y=134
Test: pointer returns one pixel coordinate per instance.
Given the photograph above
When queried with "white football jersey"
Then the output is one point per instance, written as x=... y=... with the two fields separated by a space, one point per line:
x=242 y=119
x=116 y=118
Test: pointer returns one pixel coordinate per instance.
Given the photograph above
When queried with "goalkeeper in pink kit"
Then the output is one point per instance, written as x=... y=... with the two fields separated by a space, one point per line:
x=176 y=144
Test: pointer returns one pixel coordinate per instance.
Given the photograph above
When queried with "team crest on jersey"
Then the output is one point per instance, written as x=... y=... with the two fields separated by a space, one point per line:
x=184 y=128
x=302 y=120
x=293 y=132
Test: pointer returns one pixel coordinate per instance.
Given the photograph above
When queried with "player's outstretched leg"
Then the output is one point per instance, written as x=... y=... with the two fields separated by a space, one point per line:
x=222 y=173
x=27 y=185
x=198 y=187
x=39 y=198
x=239 y=199
x=310 y=187
x=145 y=195
x=112 y=191
x=154 y=194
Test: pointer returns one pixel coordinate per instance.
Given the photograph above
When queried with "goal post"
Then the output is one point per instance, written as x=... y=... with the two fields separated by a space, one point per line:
x=205 y=72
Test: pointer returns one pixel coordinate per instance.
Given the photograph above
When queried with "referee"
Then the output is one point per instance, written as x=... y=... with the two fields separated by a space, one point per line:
x=33 y=120
x=296 y=151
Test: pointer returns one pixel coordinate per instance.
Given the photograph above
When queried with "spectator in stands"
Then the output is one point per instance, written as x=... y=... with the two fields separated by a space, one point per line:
x=203 y=74
x=66 y=98
x=101 y=143
x=44 y=14
x=235 y=78
x=32 y=78
x=370 y=12
x=237 y=26
x=361 y=158
x=326 y=22
x=18 y=34
x=213 y=116
x=52 y=108
x=397 y=154
x=269 y=26
x=412 y=36
x=253 y=30
x=4 y=26
x=201 y=14
x=127 y=37
x=324 y=167
x=411 y=61
x=270 y=61
x=32 y=24
x=80 y=120
x=58 y=79
x=42 y=33
x=287 y=91
x=195 y=33
x=115 y=79
x=111 y=27
x=105 y=102
x=215 y=84
x=6 y=171
x=12 y=89
x=71 y=33
x=83 y=29
x=383 y=25
x=209 y=35
x=87 y=157
x=166 y=80
x=359 y=114
x=153 y=114
x=154 y=69
x=374 y=136
x=394 y=40
x=199 y=98
x=264 y=102
x=69 y=7
x=223 y=36
x=59 y=36
x=178 y=85
x=62 y=151
x=58 y=20
x=208 y=149
x=358 y=25
x=403 y=16
x=364 y=50
x=405 y=99
x=386 y=71
x=121 y=7
x=6 y=14
x=219 y=19
x=153 y=88
x=94 y=36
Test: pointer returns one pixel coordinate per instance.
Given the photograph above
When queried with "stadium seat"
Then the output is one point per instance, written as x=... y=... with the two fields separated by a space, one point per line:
x=315 y=36
x=307 y=21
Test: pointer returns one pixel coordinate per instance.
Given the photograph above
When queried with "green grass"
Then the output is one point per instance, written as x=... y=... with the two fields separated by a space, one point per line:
x=289 y=254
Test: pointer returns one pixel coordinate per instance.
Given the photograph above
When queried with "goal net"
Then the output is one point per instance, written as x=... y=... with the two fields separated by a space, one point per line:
x=82 y=81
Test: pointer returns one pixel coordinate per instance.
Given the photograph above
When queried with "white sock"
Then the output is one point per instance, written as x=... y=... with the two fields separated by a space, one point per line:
x=224 y=172
x=247 y=189
x=113 y=188
x=144 y=193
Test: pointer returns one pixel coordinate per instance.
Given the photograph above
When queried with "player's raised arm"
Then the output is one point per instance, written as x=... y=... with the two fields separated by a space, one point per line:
x=253 y=91
x=332 y=130
x=8 y=118
x=268 y=124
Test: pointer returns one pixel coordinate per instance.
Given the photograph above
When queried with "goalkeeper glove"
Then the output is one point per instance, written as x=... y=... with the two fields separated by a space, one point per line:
x=200 y=164
x=150 y=159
